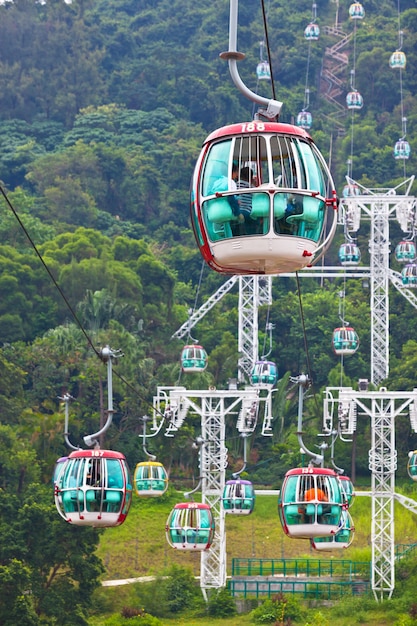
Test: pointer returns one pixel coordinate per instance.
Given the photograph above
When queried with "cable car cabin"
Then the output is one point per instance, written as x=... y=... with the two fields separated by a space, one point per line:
x=398 y=60
x=150 y=479
x=310 y=503
x=58 y=467
x=238 y=497
x=263 y=71
x=405 y=251
x=351 y=190
x=356 y=11
x=94 y=488
x=402 y=150
x=193 y=359
x=412 y=465
x=264 y=373
x=345 y=340
x=304 y=120
x=409 y=276
x=342 y=539
x=354 y=100
x=349 y=254
x=190 y=526
x=347 y=489
x=312 y=32
x=262 y=199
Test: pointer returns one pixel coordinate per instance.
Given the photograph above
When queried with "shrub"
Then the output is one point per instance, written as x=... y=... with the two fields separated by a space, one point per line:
x=280 y=610
x=221 y=604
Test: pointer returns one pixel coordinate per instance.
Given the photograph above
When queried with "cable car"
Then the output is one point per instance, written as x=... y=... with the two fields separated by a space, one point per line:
x=304 y=120
x=293 y=202
x=349 y=254
x=412 y=465
x=342 y=539
x=58 y=466
x=193 y=359
x=356 y=11
x=354 y=100
x=345 y=340
x=312 y=32
x=351 y=190
x=264 y=373
x=402 y=149
x=94 y=488
x=238 y=497
x=263 y=71
x=150 y=479
x=409 y=275
x=347 y=489
x=190 y=526
x=398 y=60
x=310 y=503
x=405 y=251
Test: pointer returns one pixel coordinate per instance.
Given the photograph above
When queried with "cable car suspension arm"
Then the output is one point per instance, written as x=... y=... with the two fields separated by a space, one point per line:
x=273 y=107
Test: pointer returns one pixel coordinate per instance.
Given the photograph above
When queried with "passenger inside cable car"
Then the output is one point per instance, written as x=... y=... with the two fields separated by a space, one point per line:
x=310 y=503
x=190 y=526
x=291 y=194
x=94 y=488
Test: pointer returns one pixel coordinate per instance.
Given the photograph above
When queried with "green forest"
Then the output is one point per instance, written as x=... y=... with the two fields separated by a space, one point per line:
x=104 y=106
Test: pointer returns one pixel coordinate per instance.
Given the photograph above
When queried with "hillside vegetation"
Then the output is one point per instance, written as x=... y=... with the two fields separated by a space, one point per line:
x=104 y=105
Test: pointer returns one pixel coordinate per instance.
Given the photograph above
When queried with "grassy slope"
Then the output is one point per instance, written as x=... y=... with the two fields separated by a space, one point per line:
x=139 y=547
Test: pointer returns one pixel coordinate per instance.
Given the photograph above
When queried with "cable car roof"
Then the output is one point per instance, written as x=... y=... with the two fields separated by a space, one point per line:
x=97 y=454
x=257 y=127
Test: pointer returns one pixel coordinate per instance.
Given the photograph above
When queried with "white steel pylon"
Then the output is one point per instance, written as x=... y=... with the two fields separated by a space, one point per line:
x=254 y=291
x=213 y=406
x=379 y=206
x=382 y=407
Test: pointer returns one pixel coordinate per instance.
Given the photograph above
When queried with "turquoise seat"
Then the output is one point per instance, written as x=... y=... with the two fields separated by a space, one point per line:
x=219 y=215
x=280 y=205
x=260 y=211
x=309 y=218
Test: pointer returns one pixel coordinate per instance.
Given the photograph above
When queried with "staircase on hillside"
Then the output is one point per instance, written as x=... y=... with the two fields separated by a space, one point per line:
x=332 y=85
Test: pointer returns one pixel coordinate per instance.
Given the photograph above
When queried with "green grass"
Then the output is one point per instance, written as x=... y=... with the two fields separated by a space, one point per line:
x=139 y=548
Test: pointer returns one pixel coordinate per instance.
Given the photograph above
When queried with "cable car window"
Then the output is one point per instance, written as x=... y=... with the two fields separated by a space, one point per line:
x=216 y=169
x=283 y=164
x=313 y=166
x=250 y=151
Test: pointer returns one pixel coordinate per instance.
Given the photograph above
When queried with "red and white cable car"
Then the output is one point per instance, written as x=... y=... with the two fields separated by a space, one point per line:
x=94 y=488
x=190 y=526
x=262 y=200
x=310 y=503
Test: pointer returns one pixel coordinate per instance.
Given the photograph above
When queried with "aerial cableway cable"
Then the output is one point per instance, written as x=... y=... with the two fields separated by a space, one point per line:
x=65 y=299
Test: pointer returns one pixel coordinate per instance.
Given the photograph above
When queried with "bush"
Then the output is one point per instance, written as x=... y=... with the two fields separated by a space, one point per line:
x=280 y=609
x=221 y=604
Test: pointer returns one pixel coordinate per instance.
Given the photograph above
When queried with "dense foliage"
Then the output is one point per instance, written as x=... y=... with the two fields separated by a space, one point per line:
x=103 y=108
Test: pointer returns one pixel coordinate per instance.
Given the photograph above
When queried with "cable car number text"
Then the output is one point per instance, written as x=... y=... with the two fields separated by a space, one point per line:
x=253 y=127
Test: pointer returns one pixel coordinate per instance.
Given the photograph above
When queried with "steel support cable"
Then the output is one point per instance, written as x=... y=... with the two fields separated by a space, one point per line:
x=268 y=49
x=65 y=299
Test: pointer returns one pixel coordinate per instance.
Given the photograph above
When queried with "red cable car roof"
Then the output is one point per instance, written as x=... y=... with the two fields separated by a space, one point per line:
x=98 y=454
x=192 y=505
x=257 y=126
x=305 y=471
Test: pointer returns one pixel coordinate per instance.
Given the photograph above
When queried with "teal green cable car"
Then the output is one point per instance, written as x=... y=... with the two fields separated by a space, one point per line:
x=193 y=359
x=238 y=497
x=190 y=526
